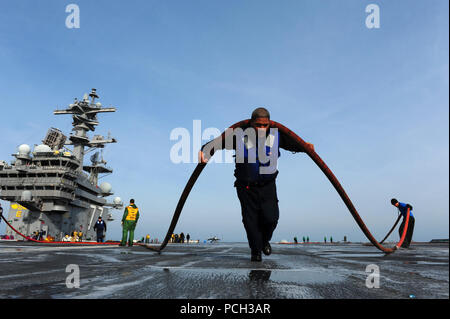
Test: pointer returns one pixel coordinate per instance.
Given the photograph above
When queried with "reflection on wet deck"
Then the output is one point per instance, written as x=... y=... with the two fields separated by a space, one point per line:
x=222 y=270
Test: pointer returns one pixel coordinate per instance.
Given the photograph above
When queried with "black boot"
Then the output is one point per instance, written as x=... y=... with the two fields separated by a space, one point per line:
x=267 y=250
x=256 y=256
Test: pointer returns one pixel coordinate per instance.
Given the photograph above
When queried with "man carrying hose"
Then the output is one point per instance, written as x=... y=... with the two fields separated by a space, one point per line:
x=257 y=151
x=403 y=208
x=129 y=221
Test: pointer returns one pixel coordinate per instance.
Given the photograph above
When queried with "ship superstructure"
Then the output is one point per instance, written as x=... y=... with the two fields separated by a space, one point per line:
x=52 y=190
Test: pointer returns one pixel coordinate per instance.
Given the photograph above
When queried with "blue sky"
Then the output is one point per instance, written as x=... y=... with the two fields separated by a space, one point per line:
x=374 y=102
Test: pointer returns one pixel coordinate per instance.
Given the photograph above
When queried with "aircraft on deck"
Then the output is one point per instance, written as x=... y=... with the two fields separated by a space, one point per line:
x=213 y=239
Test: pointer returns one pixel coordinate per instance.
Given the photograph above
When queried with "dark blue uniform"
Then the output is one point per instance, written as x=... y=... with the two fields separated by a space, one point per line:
x=255 y=182
x=100 y=226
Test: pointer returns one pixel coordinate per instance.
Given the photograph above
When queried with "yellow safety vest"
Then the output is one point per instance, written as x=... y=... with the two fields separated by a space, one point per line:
x=132 y=212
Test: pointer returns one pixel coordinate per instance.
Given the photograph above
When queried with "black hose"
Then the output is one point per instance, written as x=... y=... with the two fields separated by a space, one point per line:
x=392 y=229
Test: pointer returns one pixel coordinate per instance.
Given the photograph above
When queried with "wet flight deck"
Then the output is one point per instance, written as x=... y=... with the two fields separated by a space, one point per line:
x=222 y=270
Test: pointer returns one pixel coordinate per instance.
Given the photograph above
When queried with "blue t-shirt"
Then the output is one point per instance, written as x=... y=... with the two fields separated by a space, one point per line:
x=403 y=209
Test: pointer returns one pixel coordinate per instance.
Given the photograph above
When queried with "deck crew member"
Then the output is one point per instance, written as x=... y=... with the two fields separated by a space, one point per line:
x=403 y=208
x=129 y=221
x=100 y=226
x=255 y=172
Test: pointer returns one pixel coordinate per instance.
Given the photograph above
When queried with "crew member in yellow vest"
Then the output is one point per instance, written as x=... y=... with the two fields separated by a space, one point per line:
x=129 y=221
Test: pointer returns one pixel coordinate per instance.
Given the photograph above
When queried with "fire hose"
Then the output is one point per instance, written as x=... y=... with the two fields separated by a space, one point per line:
x=393 y=227
x=319 y=162
x=55 y=242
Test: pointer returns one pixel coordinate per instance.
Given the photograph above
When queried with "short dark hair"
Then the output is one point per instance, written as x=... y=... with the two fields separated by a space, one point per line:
x=132 y=201
x=260 y=112
x=394 y=201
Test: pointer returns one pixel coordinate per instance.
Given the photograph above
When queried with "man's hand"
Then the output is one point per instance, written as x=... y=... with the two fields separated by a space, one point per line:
x=201 y=157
